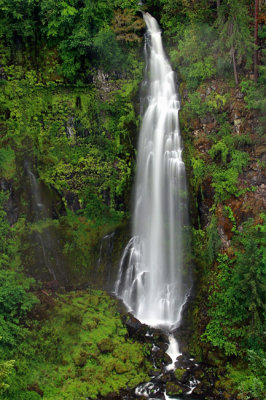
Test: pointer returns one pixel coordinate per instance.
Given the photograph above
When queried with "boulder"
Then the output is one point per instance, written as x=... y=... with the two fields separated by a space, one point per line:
x=173 y=389
x=135 y=328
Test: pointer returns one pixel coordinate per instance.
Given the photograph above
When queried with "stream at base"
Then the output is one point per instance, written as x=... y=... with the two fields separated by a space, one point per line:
x=157 y=387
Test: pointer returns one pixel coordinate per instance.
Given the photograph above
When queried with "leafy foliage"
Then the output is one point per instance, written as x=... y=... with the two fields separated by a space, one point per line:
x=237 y=307
x=15 y=302
x=15 y=299
x=6 y=368
x=235 y=38
x=193 y=56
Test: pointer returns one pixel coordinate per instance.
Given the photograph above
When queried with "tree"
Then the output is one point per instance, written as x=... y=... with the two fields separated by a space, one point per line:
x=193 y=57
x=235 y=39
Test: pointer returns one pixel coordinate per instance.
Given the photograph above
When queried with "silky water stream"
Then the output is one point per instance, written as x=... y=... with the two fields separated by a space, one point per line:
x=154 y=278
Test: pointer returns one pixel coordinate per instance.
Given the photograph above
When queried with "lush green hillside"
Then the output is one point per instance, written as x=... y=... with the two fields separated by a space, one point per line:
x=70 y=75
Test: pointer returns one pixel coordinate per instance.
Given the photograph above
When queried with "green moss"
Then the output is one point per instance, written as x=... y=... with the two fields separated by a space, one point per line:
x=173 y=389
x=179 y=373
x=106 y=345
x=72 y=362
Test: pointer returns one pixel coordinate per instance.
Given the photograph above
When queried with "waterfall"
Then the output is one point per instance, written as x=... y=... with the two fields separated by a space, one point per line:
x=154 y=279
x=45 y=244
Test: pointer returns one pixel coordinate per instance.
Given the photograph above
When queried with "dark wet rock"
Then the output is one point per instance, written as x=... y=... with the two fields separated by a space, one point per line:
x=11 y=206
x=183 y=361
x=160 y=357
x=135 y=328
x=72 y=201
x=155 y=373
x=160 y=337
x=162 y=345
x=205 y=202
x=166 y=377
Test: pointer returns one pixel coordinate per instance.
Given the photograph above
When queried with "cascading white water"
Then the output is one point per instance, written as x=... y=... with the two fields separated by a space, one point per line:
x=153 y=279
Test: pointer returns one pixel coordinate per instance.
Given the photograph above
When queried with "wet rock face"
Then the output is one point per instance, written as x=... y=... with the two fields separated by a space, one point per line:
x=241 y=122
x=205 y=202
x=105 y=81
x=134 y=327
x=72 y=201
x=109 y=252
x=11 y=207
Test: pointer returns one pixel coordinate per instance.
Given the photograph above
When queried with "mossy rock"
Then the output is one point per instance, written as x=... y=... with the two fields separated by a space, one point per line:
x=120 y=367
x=81 y=358
x=173 y=389
x=179 y=373
x=90 y=325
x=106 y=345
x=94 y=301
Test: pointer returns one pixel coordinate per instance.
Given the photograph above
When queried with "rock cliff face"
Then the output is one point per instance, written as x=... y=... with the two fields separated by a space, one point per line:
x=247 y=202
x=225 y=155
x=81 y=157
x=43 y=249
x=203 y=132
x=11 y=206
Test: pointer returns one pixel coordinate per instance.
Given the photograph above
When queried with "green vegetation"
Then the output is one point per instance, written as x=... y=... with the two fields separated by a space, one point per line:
x=210 y=43
x=237 y=307
x=78 y=142
x=80 y=350
x=70 y=74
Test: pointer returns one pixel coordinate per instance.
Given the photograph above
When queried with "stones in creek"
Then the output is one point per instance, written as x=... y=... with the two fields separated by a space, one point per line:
x=173 y=389
x=188 y=377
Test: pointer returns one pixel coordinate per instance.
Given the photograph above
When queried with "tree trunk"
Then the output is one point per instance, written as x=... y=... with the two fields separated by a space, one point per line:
x=218 y=2
x=256 y=40
x=234 y=64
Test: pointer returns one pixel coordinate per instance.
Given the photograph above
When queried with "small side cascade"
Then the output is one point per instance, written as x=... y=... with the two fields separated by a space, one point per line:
x=104 y=262
x=43 y=235
x=39 y=209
